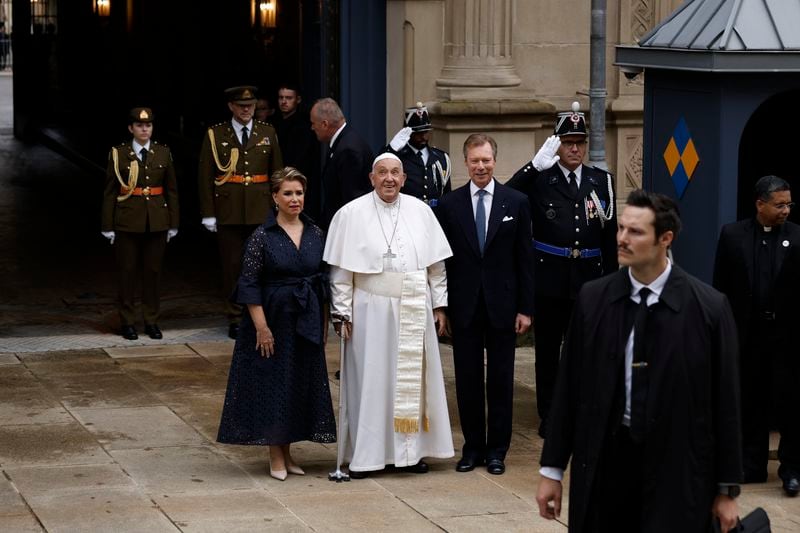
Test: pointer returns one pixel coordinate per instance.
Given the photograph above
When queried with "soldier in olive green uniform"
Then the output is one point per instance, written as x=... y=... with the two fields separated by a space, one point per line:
x=236 y=161
x=140 y=215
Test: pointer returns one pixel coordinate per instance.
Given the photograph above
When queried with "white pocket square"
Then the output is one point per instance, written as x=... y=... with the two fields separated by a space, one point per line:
x=507 y=218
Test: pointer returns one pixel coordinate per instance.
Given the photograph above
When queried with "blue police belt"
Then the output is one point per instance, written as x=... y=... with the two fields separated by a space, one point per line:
x=575 y=253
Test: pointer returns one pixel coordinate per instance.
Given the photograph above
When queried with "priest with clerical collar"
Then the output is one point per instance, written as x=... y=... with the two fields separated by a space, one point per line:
x=388 y=293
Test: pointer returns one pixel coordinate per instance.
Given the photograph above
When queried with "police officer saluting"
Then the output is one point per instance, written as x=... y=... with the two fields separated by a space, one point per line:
x=236 y=161
x=427 y=168
x=574 y=233
x=140 y=215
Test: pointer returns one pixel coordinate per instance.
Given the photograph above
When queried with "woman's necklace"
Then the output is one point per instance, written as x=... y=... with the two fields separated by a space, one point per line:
x=388 y=256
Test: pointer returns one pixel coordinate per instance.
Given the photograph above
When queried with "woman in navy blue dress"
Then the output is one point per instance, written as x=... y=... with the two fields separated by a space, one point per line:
x=278 y=389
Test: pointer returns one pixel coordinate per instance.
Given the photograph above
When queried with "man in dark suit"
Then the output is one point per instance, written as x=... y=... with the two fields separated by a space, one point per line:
x=490 y=300
x=140 y=212
x=574 y=231
x=299 y=146
x=427 y=168
x=758 y=268
x=236 y=160
x=348 y=160
x=646 y=404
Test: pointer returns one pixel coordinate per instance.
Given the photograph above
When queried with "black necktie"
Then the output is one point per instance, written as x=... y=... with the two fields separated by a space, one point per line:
x=143 y=154
x=421 y=159
x=244 y=136
x=573 y=184
x=639 y=369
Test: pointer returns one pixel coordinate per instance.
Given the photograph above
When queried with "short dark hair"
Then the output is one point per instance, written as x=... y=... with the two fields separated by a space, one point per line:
x=479 y=139
x=668 y=216
x=767 y=185
x=291 y=85
x=286 y=174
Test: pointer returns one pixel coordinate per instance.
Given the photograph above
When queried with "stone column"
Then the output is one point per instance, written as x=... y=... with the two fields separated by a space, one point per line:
x=478 y=47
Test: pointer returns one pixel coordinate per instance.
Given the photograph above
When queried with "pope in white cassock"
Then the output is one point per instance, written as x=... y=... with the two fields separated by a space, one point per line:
x=388 y=293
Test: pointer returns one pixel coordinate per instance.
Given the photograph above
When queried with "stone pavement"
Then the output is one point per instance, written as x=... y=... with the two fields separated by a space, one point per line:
x=122 y=439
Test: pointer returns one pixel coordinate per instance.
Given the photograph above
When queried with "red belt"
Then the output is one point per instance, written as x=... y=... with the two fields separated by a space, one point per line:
x=144 y=191
x=247 y=180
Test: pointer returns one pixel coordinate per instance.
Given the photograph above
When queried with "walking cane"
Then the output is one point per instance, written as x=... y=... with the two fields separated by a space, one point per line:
x=340 y=476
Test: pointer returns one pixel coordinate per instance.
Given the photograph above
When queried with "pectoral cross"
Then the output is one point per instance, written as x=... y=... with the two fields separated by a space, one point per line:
x=387 y=259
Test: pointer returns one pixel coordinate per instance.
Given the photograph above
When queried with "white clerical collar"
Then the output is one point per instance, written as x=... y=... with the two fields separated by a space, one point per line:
x=766 y=229
x=656 y=286
x=473 y=189
x=237 y=127
x=379 y=201
x=336 y=135
x=137 y=148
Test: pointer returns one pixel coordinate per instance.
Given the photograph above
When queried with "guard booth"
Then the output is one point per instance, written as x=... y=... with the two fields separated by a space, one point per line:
x=722 y=89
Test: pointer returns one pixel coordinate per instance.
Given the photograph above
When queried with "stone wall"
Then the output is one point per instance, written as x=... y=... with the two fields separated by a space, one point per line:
x=505 y=67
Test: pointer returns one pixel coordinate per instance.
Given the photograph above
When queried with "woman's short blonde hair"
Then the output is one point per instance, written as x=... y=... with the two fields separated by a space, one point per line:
x=286 y=174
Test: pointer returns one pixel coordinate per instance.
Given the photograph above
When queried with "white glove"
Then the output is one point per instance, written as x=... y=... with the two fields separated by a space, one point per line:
x=110 y=235
x=400 y=139
x=546 y=156
x=171 y=233
x=210 y=223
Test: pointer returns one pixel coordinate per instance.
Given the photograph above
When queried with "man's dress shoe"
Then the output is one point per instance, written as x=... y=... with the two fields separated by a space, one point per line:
x=791 y=485
x=468 y=463
x=358 y=475
x=153 y=331
x=129 y=332
x=233 y=331
x=495 y=466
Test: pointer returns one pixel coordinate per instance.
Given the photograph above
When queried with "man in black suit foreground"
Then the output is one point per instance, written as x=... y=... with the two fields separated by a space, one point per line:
x=348 y=160
x=490 y=287
x=646 y=404
x=758 y=268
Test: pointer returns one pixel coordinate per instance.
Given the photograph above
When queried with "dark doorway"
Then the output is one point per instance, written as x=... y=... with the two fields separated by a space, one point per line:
x=767 y=147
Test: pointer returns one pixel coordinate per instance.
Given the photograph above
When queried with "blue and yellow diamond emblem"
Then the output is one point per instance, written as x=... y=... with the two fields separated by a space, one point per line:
x=681 y=157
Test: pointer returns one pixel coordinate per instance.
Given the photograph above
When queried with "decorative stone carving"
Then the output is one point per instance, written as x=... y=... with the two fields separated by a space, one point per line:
x=641 y=18
x=633 y=164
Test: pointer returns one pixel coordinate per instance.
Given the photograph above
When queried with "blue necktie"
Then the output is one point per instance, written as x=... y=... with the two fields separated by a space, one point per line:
x=480 y=220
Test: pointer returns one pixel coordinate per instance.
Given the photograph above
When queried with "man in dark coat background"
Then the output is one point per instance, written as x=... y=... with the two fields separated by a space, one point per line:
x=348 y=160
x=490 y=291
x=647 y=400
x=574 y=227
x=299 y=146
x=758 y=268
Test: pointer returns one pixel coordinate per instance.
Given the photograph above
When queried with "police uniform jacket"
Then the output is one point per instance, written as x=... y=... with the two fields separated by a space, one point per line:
x=238 y=203
x=141 y=213
x=426 y=182
x=563 y=221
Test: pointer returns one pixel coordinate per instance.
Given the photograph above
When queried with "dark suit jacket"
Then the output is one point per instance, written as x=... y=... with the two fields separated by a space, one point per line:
x=734 y=271
x=504 y=273
x=692 y=433
x=139 y=214
x=237 y=203
x=345 y=175
x=556 y=216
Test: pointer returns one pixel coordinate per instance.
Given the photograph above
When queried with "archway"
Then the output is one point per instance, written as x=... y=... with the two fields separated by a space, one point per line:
x=767 y=147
